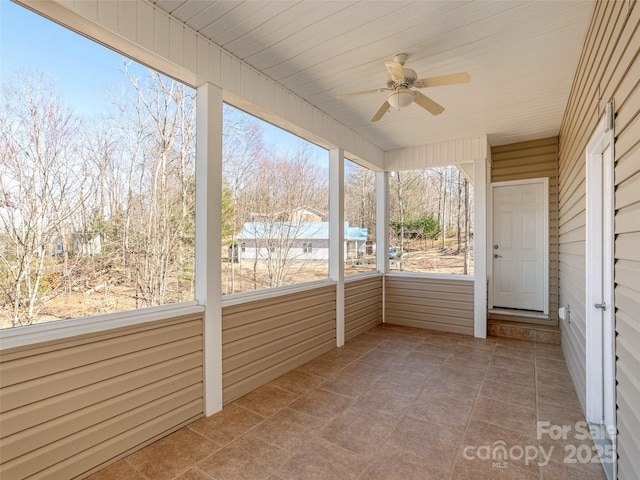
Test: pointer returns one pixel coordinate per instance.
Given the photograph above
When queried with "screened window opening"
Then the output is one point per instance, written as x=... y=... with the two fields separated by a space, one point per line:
x=360 y=218
x=96 y=179
x=431 y=220
x=275 y=204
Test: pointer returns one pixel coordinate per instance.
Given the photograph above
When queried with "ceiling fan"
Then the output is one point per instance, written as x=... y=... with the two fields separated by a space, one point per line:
x=400 y=87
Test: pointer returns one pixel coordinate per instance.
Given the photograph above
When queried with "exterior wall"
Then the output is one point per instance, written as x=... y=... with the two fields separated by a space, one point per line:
x=609 y=70
x=441 y=303
x=264 y=339
x=362 y=304
x=535 y=159
x=69 y=406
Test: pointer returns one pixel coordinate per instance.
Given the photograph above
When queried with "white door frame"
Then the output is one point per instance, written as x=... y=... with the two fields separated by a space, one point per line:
x=599 y=264
x=545 y=221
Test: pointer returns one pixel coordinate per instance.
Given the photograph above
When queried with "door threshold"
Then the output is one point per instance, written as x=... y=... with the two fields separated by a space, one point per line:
x=531 y=314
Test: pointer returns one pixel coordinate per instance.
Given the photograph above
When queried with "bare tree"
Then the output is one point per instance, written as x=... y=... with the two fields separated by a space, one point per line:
x=40 y=190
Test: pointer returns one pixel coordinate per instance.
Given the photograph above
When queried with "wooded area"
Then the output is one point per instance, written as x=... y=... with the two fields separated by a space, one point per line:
x=97 y=213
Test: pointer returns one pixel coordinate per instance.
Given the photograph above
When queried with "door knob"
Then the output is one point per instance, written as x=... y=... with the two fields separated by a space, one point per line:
x=495 y=255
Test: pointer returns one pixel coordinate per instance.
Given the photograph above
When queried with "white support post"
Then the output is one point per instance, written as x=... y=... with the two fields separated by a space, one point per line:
x=382 y=226
x=336 y=235
x=481 y=174
x=209 y=238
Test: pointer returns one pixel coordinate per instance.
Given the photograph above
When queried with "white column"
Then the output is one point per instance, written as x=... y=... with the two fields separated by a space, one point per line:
x=481 y=175
x=382 y=222
x=209 y=237
x=382 y=232
x=336 y=235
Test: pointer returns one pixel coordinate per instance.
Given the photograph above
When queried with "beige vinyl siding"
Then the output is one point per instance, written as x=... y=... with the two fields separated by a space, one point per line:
x=264 y=339
x=609 y=69
x=432 y=303
x=362 y=304
x=71 y=405
x=527 y=160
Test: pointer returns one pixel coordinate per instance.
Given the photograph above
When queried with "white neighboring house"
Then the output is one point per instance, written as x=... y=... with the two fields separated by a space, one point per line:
x=295 y=240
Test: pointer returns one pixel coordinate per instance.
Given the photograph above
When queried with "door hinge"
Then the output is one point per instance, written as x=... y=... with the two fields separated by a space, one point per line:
x=602 y=306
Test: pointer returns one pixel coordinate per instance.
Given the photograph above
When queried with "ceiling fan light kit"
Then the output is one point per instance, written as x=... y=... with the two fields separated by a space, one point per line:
x=400 y=98
x=400 y=86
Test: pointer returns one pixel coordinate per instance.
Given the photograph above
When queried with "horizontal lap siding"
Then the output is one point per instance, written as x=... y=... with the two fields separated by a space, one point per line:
x=67 y=406
x=430 y=303
x=527 y=160
x=265 y=339
x=609 y=70
x=362 y=305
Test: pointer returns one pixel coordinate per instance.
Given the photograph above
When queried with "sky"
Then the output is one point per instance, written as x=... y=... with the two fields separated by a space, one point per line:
x=84 y=71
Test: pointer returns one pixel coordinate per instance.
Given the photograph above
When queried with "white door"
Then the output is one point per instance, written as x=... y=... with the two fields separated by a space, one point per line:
x=600 y=317
x=520 y=242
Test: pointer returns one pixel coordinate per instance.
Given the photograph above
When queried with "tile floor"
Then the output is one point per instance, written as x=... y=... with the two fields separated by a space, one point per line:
x=393 y=403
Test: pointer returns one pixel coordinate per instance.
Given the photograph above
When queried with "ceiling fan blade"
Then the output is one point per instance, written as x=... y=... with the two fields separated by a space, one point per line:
x=381 y=111
x=395 y=70
x=364 y=92
x=451 y=79
x=428 y=104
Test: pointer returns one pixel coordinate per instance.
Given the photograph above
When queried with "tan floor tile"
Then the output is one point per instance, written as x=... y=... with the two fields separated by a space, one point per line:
x=433 y=349
x=509 y=392
x=172 y=455
x=485 y=444
x=370 y=371
x=556 y=395
x=347 y=385
x=321 y=404
x=117 y=471
x=544 y=363
x=510 y=375
x=560 y=414
x=421 y=359
x=297 y=382
x=441 y=409
x=321 y=460
x=358 y=431
x=194 y=474
x=399 y=465
x=506 y=351
x=513 y=363
x=480 y=343
x=514 y=342
x=551 y=377
x=359 y=345
x=573 y=471
x=378 y=357
x=463 y=388
x=403 y=386
x=390 y=346
x=552 y=354
x=341 y=356
x=434 y=442
x=505 y=415
x=246 y=458
x=289 y=429
x=468 y=360
x=266 y=400
x=412 y=369
x=323 y=367
x=489 y=470
x=441 y=340
x=227 y=425
x=388 y=408
x=548 y=346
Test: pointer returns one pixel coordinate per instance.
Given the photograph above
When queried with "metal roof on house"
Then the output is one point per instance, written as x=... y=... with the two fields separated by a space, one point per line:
x=297 y=231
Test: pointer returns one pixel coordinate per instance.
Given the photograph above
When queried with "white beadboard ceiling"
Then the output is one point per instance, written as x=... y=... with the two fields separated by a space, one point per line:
x=522 y=56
